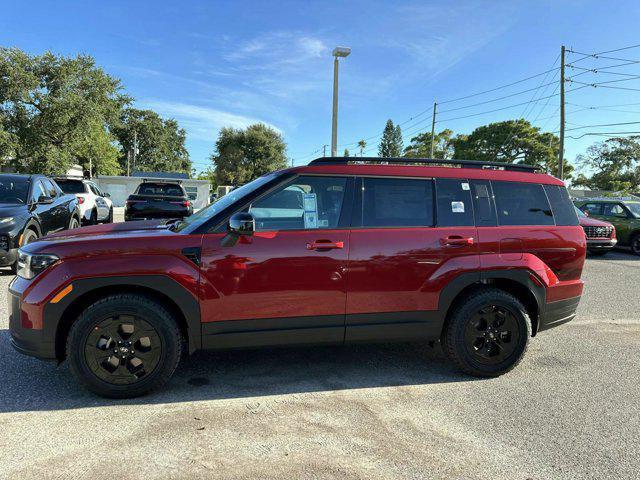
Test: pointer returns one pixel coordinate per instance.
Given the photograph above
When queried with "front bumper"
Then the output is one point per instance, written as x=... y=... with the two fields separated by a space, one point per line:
x=26 y=340
x=8 y=257
x=601 y=243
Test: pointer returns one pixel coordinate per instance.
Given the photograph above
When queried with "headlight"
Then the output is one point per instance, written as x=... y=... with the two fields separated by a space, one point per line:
x=31 y=265
x=6 y=220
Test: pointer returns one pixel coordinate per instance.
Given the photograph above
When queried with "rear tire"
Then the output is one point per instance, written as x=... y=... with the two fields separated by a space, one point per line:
x=110 y=216
x=488 y=333
x=635 y=243
x=124 y=346
x=94 y=217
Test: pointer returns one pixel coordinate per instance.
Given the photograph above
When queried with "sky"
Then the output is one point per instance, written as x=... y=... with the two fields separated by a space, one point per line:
x=211 y=64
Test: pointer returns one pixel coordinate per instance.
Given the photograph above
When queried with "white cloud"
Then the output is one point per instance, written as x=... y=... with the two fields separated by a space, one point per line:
x=200 y=122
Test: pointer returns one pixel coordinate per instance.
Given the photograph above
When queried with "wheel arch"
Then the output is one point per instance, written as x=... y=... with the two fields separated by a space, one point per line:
x=518 y=282
x=183 y=306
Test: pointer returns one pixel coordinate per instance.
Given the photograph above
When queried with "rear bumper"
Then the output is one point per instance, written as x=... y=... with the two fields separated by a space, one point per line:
x=558 y=312
x=130 y=215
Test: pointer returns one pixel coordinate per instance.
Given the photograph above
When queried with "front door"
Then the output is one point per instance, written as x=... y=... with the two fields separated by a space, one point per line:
x=401 y=256
x=287 y=283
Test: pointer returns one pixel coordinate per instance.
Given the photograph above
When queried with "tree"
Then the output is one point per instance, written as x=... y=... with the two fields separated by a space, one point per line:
x=242 y=155
x=52 y=108
x=615 y=163
x=346 y=152
x=420 y=145
x=391 y=142
x=362 y=144
x=161 y=143
x=511 y=141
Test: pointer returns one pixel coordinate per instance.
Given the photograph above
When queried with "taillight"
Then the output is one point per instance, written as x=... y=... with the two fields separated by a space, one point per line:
x=186 y=203
x=80 y=200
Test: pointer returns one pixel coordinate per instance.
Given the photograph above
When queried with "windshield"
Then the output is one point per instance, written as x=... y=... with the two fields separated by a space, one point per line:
x=13 y=189
x=580 y=212
x=71 y=186
x=634 y=207
x=230 y=198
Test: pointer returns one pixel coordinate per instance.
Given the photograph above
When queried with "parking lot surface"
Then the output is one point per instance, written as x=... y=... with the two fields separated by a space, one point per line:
x=569 y=410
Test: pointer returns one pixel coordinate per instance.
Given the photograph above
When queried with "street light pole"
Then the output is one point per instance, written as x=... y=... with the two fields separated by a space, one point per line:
x=337 y=52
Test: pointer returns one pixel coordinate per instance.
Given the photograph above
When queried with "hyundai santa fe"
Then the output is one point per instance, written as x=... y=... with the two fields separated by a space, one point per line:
x=480 y=257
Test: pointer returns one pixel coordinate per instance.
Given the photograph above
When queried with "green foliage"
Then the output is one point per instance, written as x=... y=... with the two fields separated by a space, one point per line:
x=615 y=163
x=242 y=155
x=161 y=143
x=362 y=144
x=511 y=141
x=346 y=152
x=391 y=142
x=98 y=151
x=420 y=145
x=51 y=107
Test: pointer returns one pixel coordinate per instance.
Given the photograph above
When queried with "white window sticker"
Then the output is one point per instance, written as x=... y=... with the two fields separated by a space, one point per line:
x=457 y=207
x=465 y=186
x=310 y=202
x=310 y=220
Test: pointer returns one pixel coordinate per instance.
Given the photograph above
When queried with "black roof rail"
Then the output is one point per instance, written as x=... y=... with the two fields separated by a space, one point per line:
x=426 y=161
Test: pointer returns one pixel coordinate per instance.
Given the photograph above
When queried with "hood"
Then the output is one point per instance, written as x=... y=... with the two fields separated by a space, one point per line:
x=592 y=222
x=13 y=210
x=110 y=229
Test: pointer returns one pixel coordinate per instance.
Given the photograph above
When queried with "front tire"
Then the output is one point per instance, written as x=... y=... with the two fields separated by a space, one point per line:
x=635 y=244
x=124 y=346
x=73 y=223
x=488 y=333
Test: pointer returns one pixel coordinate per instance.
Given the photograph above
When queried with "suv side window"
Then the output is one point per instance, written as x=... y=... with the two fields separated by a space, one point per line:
x=614 y=210
x=454 y=208
x=521 y=204
x=93 y=187
x=50 y=189
x=563 y=210
x=592 y=208
x=306 y=203
x=37 y=191
x=397 y=202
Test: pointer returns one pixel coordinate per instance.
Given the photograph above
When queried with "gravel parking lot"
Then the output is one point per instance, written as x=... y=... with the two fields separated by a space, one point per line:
x=570 y=410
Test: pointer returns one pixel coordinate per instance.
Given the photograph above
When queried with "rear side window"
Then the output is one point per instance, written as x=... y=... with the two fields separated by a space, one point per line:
x=71 y=186
x=563 y=210
x=397 y=202
x=521 y=204
x=592 y=208
x=454 y=203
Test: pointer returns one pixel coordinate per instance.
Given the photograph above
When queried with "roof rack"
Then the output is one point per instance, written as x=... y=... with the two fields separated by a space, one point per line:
x=162 y=180
x=426 y=161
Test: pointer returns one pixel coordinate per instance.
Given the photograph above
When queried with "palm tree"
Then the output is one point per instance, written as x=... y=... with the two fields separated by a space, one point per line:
x=362 y=144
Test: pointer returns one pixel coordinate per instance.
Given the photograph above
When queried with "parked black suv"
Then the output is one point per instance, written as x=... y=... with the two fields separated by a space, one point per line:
x=158 y=199
x=31 y=206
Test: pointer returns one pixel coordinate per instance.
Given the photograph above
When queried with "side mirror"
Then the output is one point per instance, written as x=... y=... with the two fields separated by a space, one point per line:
x=240 y=224
x=106 y=194
x=586 y=214
x=45 y=199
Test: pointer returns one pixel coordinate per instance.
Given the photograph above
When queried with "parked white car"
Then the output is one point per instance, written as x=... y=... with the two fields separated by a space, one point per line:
x=95 y=206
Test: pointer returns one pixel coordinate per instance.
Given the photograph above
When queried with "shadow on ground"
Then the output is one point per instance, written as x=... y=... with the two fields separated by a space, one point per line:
x=32 y=385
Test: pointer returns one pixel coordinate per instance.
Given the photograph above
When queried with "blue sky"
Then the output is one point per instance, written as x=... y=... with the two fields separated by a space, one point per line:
x=214 y=64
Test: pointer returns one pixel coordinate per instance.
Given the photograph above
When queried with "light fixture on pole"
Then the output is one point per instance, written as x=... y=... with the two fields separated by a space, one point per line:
x=337 y=52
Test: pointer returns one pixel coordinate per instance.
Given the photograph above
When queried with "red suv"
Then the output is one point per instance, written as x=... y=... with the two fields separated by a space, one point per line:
x=480 y=257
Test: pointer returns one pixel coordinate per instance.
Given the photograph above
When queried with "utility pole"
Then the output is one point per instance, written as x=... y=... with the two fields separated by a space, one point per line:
x=90 y=168
x=135 y=147
x=128 y=162
x=324 y=150
x=433 y=128
x=561 y=152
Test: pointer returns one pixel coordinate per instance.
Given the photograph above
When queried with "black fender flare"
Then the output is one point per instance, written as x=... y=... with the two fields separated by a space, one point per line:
x=521 y=276
x=58 y=314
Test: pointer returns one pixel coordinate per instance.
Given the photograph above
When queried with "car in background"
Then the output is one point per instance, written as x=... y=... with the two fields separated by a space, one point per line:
x=158 y=199
x=95 y=206
x=623 y=213
x=31 y=206
x=601 y=236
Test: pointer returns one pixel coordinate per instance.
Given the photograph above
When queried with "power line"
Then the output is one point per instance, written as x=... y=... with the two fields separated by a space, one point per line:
x=606 y=67
x=603 y=125
x=595 y=84
x=598 y=70
x=598 y=56
x=600 y=85
x=497 y=88
x=604 y=134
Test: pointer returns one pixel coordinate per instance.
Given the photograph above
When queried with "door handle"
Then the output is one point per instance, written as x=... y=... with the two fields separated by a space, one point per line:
x=456 y=241
x=324 y=244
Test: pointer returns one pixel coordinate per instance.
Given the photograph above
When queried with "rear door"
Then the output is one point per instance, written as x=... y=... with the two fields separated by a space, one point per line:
x=101 y=204
x=405 y=247
x=619 y=216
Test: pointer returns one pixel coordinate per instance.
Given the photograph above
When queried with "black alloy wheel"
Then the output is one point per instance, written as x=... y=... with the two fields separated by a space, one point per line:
x=635 y=244
x=492 y=334
x=123 y=349
x=73 y=223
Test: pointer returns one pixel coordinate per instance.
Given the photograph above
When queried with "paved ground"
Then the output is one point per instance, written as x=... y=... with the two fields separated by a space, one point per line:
x=570 y=410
